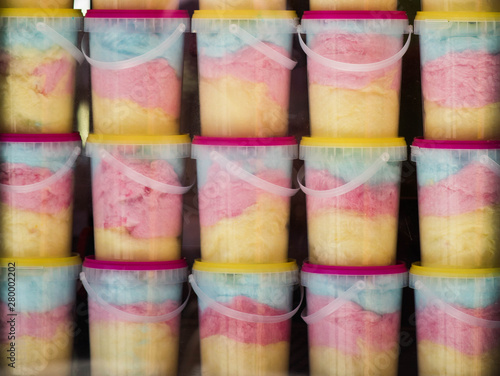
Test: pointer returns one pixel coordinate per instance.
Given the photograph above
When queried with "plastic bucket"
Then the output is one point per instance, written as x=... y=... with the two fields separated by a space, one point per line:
x=137 y=195
x=135 y=4
x=353 y=317
x=39 y=69
x=458 y=202
x=458 y=320
x=244 y=71
x=352 y=196
x=243 y=4
x=36 y=194
x=460 y=6
x=37 y=298
x=134 y=316
x=354 y=71
x=245 y=314
x=460 y=60
x=136 y=60
x=353 y=5
x=65 y=4
x=244 y=197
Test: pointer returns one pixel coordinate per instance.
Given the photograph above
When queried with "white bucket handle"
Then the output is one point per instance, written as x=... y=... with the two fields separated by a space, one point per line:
x=46 y=182
x=486 y=160
x=141 y=59
x=346 y=188
x=335 y=304
x=61 y=41
x=242 y=316
x=246 y=176
x=456 y=313
x=142 y=179
x=350 y=67
x=130 y=316
x=260 y=46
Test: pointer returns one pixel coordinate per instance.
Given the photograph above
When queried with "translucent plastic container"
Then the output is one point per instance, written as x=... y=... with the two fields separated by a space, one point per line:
x=134 y=315
x=135 y=4
x=244 y=69
x=354 y=71
x=243 y=4
x=37 y=298
x=45 y=4
x=459 y=59
x=244 y=197
x=460 y=5
x=458 y=320
x=136 y=59
x=137 y=195
x=353 y=5
x=353 y=316
x=36 y=194
x=458 y=202
x=39 y=69
x=245 y=314
x=352 y=196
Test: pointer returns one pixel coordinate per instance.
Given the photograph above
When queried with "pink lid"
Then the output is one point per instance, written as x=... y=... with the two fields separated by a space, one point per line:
x=455 y=144
x=39 y=137
x=237 y=141
x=141 y=13
x=354 y=270
x=353 y=15
x=91 y=262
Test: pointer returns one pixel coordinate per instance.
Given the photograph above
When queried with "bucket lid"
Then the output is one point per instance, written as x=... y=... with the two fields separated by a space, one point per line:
x=219 y=267
x=354 y=270
x=39 y=12
x=456 y=144
x=136 y=14
x=43 y=137
x=354 y=15
x=281 y=21
x=313 y=148
x=72 y=264
x=92 y=263
x=444 y=20
x=417 y=270
x=70 y=19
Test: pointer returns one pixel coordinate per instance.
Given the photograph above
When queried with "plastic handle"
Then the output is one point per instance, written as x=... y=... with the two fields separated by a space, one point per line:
x=130 y=316
x=242 y=316
x=490 y=163
x=260 y=46
x=240 y=173
x=44 y=183
x=61 y=41
x=138 y=60
x=334 y=305
x=346 y=188
x=453 y=312
x=350 y=67
x=141 y=179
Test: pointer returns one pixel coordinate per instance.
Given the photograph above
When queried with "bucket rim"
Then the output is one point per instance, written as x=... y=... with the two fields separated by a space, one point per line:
x=91 y=263
x=40 y=13
x=354 y=15
x=39 y=262
x=241 y=141
x=451 y=272
x=136 y=13
x=424 y=143
x=237 y=268
x=40 y=137
x=398 y=268
x=238 y=14
x=137 y=139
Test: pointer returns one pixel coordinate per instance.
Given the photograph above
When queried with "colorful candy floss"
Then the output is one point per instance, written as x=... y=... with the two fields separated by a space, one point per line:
x=353 y=316
x=458 y=320
x=244 y=315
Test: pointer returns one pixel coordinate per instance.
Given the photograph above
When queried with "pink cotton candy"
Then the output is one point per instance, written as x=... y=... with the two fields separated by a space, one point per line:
x=214 y=323
x=119 y=201
x=52 y=74
x=467 y=79
x=438 y=327
x=366 y=199
x=152 y=85
x=48 y=200
x=226 y=196
x=472 y=188
x=351 y=326
x=248 y=64
x=356 y=49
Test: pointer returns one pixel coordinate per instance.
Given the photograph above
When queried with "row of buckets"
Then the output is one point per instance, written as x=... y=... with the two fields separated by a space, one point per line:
x=244 y=62
x=245 y=311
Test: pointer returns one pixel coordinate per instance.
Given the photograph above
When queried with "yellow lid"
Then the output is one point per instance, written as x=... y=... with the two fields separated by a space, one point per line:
x=20 y=262
x=244 y=14
x=418 y=269
x=353 y=142
x=39 y=12
x=217 y=267
x=458 y=16
x=138 y=139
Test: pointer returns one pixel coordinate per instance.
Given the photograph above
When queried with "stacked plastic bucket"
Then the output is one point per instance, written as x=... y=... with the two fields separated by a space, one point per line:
x=352 y=170
x=135 y=280
x=244 y=280
x=38 y=151
x=458 y=172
